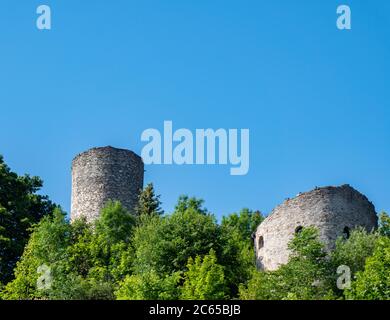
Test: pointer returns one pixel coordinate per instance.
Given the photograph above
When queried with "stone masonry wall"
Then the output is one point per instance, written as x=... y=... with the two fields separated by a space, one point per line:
x=333 y=210
x=103 y=174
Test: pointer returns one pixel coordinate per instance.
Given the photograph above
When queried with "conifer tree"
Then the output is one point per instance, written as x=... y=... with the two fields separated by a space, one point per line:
x=148 y=202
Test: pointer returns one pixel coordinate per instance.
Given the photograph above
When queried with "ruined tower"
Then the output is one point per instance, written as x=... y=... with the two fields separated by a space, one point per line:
x=334 y=211
x=103 y=174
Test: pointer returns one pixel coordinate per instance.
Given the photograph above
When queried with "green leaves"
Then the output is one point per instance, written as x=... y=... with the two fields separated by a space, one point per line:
x=85 y=261
x=305 y=276
x=204 y=279
x=373 y=283
x=148 y=202
x=354 y=251
x=115 y=223
x=149 y=285
x=166 y=243
x=185 y=255
x=237 y=252
x=20 y=209
x=384 y=224
x=306 y=245
x=311 y=272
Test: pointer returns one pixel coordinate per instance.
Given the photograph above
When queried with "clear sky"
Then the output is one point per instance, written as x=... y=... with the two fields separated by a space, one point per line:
x=316 y=99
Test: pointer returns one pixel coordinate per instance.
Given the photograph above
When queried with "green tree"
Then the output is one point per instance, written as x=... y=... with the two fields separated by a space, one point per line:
x=384 y=224
x=204 y=279
x=115 y=223
x=237 y=247
x=306 y=275
x=245 y=222
x=102 y=252
x=46 y=247
x=20 y=208
x=261 y=286
x=149 y=285
x=373 y=283
x=148 y=202
x=352 y=252
x=165 y=244
x=85 y=261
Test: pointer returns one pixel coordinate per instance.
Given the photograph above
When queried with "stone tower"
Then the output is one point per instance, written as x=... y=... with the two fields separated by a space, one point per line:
x=334 y=211
x=103 y=174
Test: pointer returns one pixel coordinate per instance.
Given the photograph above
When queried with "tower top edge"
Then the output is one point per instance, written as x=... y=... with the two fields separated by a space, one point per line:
x=107 y=150
x=323 y=192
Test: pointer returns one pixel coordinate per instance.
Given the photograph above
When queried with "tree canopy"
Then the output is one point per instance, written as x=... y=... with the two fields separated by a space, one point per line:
x=20 y=208
x=189 y=255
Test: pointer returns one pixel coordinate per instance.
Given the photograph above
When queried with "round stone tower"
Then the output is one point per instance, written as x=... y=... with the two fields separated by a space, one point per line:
x=334 y=211
x=103 y=174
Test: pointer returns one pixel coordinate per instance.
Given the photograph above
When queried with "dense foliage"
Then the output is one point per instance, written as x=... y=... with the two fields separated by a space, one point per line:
x=311 y=273
x=20 y=208
x=180 y=256
x=185 y=255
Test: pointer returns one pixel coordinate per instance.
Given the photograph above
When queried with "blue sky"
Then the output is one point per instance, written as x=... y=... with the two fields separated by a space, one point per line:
x=316 y=99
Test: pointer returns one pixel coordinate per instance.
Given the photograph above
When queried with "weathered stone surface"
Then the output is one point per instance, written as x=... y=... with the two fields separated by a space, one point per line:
x=103 y=174
x=333 y=210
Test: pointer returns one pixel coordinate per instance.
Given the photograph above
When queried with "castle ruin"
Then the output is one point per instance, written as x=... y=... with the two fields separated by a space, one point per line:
x=107 y=173
x=334 y=211
x=103 y=174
